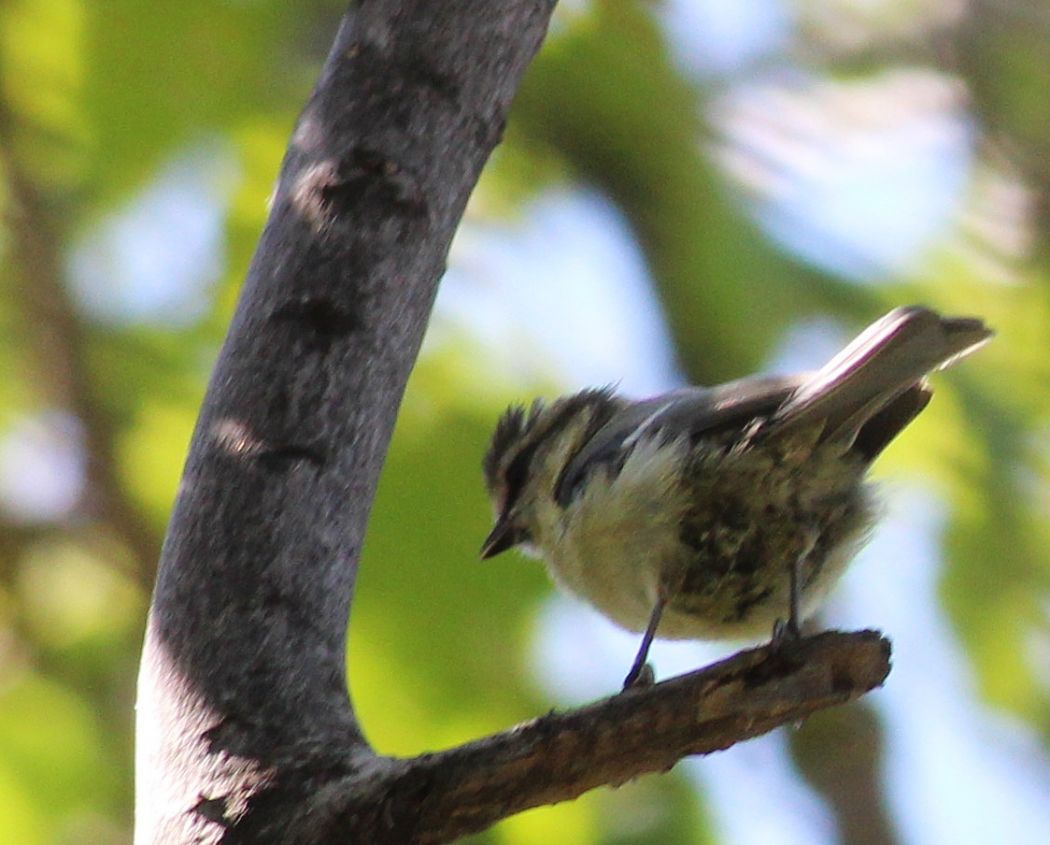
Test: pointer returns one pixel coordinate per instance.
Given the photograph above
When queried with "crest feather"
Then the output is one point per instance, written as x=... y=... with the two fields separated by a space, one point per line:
x=517 y=423
x=511 y=427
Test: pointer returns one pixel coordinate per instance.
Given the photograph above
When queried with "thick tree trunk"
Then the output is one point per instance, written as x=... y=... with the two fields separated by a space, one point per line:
x=242 y=688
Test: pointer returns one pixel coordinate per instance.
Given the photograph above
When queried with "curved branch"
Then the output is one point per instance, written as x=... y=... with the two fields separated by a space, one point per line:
x=243 y=710
x=439 y=797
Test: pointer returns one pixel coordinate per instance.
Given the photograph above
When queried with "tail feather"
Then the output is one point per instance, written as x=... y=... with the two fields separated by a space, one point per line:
x=878 y=432
x=891 y=357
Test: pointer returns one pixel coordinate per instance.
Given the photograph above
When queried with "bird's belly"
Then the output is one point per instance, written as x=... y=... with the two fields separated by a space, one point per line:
x=748 y=606
x=736 y=582
x=722 y=556
x=616 y=570
x=613 y=543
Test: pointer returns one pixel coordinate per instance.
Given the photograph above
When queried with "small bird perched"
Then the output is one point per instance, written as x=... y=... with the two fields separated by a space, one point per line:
x=710 y=513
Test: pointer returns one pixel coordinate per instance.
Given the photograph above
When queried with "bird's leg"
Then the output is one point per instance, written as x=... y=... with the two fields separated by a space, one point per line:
x=641 y=673
x=794 y=624
x=792 y=629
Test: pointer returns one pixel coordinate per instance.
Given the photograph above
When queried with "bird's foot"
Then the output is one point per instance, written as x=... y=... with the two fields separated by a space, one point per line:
x=786 y=634
x=639 y=676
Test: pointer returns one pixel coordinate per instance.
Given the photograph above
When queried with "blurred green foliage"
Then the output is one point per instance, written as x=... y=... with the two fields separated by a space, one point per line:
x=97 y=99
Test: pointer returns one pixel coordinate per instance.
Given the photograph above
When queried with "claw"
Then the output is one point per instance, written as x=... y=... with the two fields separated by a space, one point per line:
x=784 y=634
x=643 y=676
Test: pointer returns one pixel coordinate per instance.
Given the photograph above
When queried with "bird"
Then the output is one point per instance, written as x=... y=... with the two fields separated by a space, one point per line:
x=715 y=512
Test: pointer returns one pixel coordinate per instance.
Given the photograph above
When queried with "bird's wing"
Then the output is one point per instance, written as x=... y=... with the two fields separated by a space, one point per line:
x=860 y=399
x=690 y=412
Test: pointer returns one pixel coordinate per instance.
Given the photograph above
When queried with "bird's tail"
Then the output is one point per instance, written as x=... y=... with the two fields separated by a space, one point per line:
x=881 y=374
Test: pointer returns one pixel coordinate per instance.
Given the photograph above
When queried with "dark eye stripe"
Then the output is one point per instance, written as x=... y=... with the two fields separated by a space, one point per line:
x=600 y=405
x=517 y=473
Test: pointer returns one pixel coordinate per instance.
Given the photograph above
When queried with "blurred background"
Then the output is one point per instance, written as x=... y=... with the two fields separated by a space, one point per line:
x=689 y=191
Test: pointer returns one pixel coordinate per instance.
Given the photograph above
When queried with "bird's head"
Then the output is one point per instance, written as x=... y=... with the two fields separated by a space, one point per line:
x=528 y=452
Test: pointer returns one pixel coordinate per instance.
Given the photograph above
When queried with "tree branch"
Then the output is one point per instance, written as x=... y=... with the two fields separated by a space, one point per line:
x=243 y=710
x=439 y=797
x=560 y=756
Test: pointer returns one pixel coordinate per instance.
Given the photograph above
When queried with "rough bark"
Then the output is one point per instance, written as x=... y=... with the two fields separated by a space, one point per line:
x=562 y=755
x=245 y=729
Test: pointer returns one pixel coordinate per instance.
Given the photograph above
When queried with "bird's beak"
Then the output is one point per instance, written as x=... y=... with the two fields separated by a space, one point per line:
x=502 y=536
